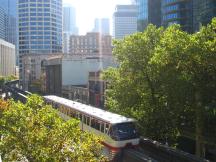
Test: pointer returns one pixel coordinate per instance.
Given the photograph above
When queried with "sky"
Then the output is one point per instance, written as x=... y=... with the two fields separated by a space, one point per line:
x=88 y=10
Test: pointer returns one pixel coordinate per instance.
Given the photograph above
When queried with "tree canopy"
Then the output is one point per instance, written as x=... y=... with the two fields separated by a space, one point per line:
x=166 y=80
x=35 y=132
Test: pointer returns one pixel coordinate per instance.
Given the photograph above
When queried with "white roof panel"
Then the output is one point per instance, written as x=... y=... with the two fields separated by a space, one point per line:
x=91 y=111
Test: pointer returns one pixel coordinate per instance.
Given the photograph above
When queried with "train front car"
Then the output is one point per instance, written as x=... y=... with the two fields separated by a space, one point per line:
x=122 y=134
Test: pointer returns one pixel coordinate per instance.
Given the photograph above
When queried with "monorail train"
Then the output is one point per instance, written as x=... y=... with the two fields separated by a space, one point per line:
x=117 y=131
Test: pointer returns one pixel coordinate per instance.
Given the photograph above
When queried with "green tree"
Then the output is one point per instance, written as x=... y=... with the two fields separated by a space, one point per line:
x=135 y=89
x=192 y=59
x=35 y=132
x=166 y=80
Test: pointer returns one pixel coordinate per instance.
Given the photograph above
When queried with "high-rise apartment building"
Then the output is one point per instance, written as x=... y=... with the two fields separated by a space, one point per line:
x=149 y=12
x=69 y=26
x=124 y=21
x=178 y=12
x=203 y=12
x=91 y=44
x=102 y=26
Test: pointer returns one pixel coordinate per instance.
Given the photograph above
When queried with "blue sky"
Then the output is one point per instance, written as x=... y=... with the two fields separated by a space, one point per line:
x=88 y=10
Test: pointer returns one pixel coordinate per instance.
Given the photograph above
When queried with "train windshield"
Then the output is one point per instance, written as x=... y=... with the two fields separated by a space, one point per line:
x=124 y=131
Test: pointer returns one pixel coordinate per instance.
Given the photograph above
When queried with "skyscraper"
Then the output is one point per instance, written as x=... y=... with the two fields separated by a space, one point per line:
x=124 y=21
x=69 y=26
x=178 y=12
x=8 y=18
x=203 y=12
x=40 y=26
x=102 y=26
x=149 y=11
x=40 y=29
x=69 y=20
x=3 y=20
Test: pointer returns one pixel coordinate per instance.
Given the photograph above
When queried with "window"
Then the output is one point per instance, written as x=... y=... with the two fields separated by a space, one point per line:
x=123 y=131
x=72 y=113
x=95 y=124
x=107 y=127
x=102 y=127
x=86 y=120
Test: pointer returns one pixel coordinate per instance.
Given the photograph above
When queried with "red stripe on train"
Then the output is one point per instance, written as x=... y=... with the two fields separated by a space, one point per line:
x=116 y=149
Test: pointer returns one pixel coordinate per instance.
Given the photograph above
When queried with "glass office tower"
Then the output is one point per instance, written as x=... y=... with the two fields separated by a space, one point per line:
x=8 y=21
x=69 y=26
x=177 y=12
x=203 y=12
x=69 y=20
x=149 y=12
x=40 y=26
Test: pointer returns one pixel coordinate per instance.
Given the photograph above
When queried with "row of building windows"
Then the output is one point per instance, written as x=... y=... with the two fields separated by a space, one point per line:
x=47 y=16
x=23 y=19
x=35 y=37
x=28 y=38
x=40 y=30
x=25 y=5
x=170 y=16
x=38 y=5
x=169 y=1
x=39 y=25
x=171 y=8
x=39 y=1
x=39 y=14
x=41 y=47
x=54 y=25
x=21 y=10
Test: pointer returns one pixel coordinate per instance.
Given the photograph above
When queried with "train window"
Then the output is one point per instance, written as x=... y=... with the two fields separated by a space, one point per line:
x=77 y=115
x=64 y=110
x=68 y=111
x=61 y=109
x=123 y=131
x=72 y=114
x=102 y=127
x=86 y=120
x=95 y=124
x=107 y=127
x=80 y=117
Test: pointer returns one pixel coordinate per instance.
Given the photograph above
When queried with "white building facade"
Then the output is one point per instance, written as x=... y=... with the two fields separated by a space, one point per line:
x=7 y=58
